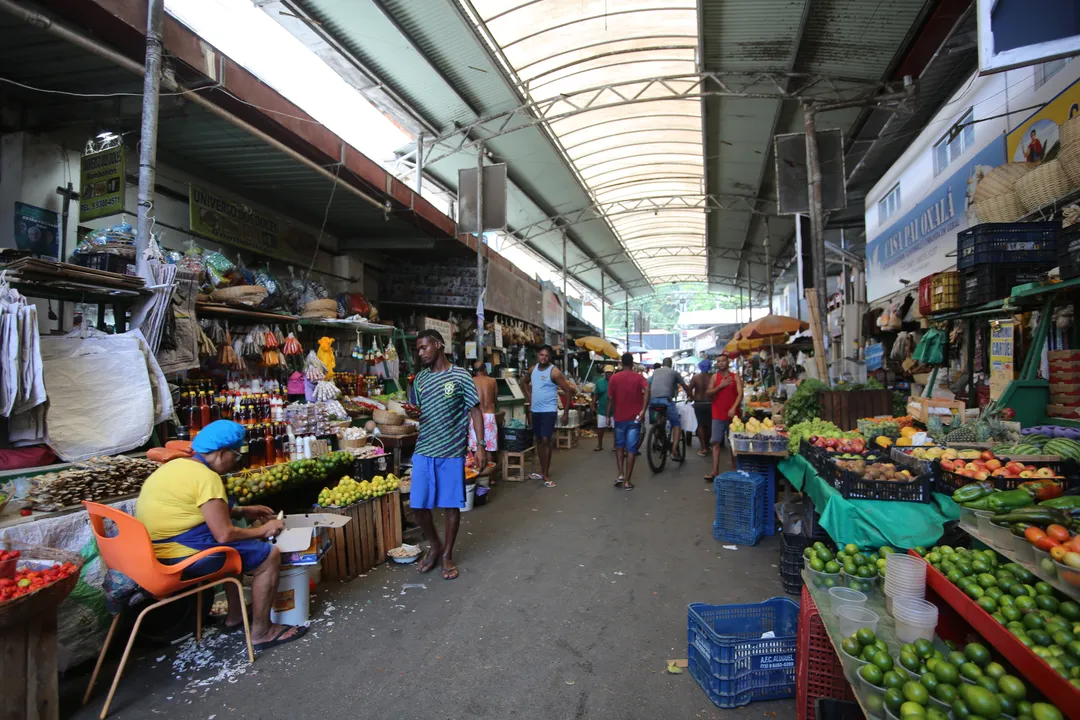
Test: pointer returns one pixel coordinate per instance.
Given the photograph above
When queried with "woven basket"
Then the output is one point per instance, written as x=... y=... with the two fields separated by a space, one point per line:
x=21 y=609
x=1001 y=209
x=1069 y=157
x=397 y=430
x=322 y=306
x=1070 y=132
x=385 y=417
x=1042 y=186
x=1001 y=180
x=242 y=295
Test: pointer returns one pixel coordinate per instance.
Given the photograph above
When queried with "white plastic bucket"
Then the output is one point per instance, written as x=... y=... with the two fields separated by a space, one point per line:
x=291 y=601
x=470 y=495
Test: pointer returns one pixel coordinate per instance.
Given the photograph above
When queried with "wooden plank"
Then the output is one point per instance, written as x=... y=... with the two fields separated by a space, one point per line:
x=395 y=506
x=13 y=677
x=42 y=684
x=367 y=540
x=380 y=530
x=353 y=554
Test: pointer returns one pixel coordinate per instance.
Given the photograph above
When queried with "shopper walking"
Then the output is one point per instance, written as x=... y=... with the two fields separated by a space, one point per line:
x=726 y=391
x=486 y=390
x=599 y=405
x=541 y=385
x=448 y=403
x=628 y=400
x=699 y=393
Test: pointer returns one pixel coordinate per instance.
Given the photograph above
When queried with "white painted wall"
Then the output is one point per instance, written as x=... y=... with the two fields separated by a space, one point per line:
x=1009 y=94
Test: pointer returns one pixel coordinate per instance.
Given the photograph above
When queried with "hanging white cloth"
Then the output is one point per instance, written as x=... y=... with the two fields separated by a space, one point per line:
x=10 y=370
x=32 y=381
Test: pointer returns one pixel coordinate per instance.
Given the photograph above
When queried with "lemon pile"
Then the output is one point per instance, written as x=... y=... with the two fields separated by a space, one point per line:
x=349 y=491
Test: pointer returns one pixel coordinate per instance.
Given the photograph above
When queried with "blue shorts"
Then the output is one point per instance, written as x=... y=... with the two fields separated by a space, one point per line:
x=252 y=552
x=544 y=424
x=628 y=435
x=437 y=483
x=672 y=412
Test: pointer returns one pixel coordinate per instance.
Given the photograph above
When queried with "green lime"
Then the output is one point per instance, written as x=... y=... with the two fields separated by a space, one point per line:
x=823 y=554
x=871 y=673
x=884 y=661
x=929 y=681
x=1012 y=686
x=1008 y=705
x=956 y=658
x=1069 y=610
x=851 y=646
x=923 y=648
x=1047 y=602
x=875 y=705
x=865 y=636
x=977 y=654
x=910 y=661
x=988 y=604
x=970 y=671
x=960 y=709
x=1043 y=588
x=915 y=692
x=947 y=673
x=945 y=692
x=893 y=679
x=1022 y=602
x=994 y=670
x=851 y=548
x=832 y=567
x=894 y=699
x=973 y=591
x=859 y=560
x=1034 y=620
x=988 y=682
x=1010 y=612
x=808 y=553
x=869 y=652
x=865 y=571
x=1044 y=711
x=912 y=710
x=986 y=580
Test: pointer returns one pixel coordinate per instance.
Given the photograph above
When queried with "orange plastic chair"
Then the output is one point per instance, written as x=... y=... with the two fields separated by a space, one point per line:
x=131 y=552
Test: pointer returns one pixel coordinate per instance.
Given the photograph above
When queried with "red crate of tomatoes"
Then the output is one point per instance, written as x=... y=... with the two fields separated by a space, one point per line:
x=27 y=570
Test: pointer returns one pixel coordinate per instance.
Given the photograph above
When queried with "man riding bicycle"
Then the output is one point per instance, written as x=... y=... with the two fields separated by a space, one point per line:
x=663 y=388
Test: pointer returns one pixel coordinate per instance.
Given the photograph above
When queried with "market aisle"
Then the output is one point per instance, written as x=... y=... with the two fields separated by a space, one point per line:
x=569 y=602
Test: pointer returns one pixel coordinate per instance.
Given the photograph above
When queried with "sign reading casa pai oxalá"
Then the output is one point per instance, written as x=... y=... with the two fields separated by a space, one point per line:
x=920 y=242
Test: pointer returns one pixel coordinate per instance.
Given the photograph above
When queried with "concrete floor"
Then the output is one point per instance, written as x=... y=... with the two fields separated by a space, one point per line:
x=569 y=603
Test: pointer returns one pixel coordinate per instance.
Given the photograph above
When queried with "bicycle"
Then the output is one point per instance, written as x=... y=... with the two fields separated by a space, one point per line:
x=658 y=443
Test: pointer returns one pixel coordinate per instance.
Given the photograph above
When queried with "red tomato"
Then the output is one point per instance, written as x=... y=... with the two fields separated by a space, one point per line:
x=1058 y=532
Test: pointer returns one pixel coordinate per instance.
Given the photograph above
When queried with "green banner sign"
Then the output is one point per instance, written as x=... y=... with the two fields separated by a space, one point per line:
x=232 y=222
x=101 y=180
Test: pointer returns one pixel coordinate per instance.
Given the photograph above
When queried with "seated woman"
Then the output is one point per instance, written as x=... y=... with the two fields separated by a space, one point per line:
x=184 y=507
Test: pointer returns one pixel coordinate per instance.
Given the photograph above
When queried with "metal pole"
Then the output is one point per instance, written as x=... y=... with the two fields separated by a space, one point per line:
x=565 y=312
x=641 y=327
x=817 y=216
x=768 y=268
x=479 y=247
x=155 y=17
x=626 y=310
x=603 y=326
x=419 y=180
x=799 y=289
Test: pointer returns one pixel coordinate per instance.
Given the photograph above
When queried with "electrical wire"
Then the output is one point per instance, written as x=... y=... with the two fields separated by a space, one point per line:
x=326 y=216
x=95 y=95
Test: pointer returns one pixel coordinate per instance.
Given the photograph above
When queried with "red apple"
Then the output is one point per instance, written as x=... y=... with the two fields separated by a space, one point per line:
x=946 y=464
x=1027 y=474
x=1030 y=468
x=830 y=442
x=986 y=455
x=812 y=439
x=1015 y=467
x=1001 y=472
x=1044 y=472
x=979 y=463
x=982 y=475
x=993 y=464
x=971 y=466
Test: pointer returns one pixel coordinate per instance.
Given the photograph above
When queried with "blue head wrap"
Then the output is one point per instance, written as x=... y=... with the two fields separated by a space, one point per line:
x=219 y=435
x=705 y=365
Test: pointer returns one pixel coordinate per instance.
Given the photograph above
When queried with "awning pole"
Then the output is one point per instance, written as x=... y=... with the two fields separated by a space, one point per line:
x=565 y=309
x=155 y=18
x=479 y=248
x=419 y=179
x=603 y=326
x=817 y=238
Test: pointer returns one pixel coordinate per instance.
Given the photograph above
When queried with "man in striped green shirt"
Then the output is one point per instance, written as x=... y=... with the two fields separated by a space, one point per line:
x=448 y=403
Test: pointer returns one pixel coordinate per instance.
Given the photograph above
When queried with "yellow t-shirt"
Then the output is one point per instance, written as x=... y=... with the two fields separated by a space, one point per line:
x=170 y=500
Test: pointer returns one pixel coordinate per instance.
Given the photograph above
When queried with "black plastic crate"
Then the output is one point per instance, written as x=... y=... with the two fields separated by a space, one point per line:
x=994 y=282
x=515 y=439
x=853 y=487
x=947 y=482
x=992 y=243
x=1069 y=252
x=829 y=709
x=369 y=467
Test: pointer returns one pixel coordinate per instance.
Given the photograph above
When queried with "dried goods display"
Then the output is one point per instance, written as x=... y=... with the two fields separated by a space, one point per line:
x=98 y=478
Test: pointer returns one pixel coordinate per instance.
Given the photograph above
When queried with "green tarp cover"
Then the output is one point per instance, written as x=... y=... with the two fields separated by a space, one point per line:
x=870 y=523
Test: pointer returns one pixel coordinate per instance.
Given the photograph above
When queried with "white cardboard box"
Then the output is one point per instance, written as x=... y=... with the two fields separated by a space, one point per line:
x=305 y=538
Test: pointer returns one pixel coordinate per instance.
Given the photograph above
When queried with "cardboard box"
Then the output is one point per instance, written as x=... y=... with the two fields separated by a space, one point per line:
x=306 y=537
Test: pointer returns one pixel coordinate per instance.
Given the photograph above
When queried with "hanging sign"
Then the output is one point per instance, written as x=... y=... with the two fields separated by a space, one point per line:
x=37 y=230
x=470 y=350
x=101 y=183
x=553 y=311
x=1001 y=357
x=875 y=356
x=1035 y=138
x=232 y=222
x=498 y=335
x=440 y=326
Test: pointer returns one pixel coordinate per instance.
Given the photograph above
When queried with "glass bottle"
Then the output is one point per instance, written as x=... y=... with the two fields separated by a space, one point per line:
x=281 y=439
x=256 y=447
x=270 y=449
x=194 y=417
x=204 y=409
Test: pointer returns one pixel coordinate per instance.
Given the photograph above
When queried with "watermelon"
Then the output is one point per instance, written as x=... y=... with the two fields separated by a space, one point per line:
x=1026 y=449
x=1064 y=447
x=1036 y=439
x=1003 y=449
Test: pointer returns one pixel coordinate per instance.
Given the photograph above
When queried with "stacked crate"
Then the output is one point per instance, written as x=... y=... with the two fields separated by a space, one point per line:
x=1064 y=383
x=992 y=258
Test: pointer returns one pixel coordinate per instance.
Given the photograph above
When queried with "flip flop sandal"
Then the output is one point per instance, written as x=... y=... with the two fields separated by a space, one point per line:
x=301 y=630
x=536 y=476
x=597 y=449
x=450 y=574
x=618 y=483
x=628 y=487
x=549 y=483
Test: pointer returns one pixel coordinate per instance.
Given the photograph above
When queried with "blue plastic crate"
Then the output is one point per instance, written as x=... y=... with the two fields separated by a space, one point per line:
x=765 y=466
x=730 y=660
x=740 y=503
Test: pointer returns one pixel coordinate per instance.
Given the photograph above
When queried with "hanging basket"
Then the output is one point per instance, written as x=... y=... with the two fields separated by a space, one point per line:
x=1069 y=157
x=385 y=417
x=1042 y=186
x=397 y=430
x=1001 y=209
x=1001 y=180
x=1070 y=132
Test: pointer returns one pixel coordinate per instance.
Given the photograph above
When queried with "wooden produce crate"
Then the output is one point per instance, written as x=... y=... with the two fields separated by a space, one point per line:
x=919 y=408
x=843 y=408
x=363 y=543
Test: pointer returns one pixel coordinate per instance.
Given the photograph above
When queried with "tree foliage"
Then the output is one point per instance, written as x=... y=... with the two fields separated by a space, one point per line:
x=662 y=307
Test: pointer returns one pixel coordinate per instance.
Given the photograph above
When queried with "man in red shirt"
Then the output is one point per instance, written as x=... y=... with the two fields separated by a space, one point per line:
x=726 y=394
x=628 y=399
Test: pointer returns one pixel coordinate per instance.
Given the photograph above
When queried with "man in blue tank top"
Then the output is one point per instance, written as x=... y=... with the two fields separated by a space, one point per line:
x=541 y=385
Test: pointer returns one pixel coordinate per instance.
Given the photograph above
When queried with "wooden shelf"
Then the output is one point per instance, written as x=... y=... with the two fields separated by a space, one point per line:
x=232 y=311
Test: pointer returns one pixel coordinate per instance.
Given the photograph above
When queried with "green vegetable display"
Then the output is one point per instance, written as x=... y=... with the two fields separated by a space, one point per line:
x=809 y=428
x=803 y=404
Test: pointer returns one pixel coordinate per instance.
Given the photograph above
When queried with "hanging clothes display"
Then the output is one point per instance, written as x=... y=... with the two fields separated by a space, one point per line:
x=22 y=386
